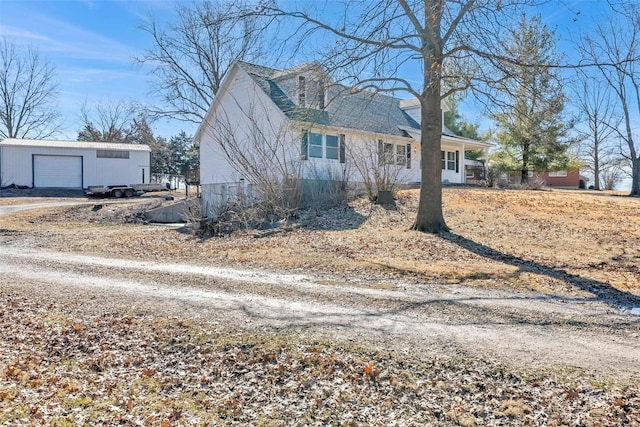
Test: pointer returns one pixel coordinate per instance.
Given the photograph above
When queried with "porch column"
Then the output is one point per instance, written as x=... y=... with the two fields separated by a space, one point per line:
x=463 y=175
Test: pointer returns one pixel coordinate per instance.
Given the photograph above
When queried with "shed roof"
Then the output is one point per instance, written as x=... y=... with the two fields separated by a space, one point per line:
x=14 y=142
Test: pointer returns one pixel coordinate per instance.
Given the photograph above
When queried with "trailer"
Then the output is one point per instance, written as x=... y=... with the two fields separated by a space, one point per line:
x=123 y=190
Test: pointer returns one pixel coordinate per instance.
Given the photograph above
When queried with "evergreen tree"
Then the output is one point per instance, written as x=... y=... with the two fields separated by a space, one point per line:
x=460 y=127
x=455 y=122
x=531 y=126
x=178 y=148
x=141 y=133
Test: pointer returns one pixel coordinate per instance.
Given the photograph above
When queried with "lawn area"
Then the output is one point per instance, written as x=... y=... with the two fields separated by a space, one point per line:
x=558 y=242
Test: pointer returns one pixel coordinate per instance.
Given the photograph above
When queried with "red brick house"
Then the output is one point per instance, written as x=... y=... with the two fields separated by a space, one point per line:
x=560 y=179
x=564 y=178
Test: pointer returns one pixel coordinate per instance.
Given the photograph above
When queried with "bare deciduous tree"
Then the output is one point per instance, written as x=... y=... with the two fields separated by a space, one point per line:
x=27 y=93
x=445 y=41
x=600 y=121
x=107 y=121
x=610 y=176
x=190 y=58
x=617 y=58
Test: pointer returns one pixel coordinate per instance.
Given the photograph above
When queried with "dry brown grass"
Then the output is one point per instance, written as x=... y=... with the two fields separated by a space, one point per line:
x=561 y=242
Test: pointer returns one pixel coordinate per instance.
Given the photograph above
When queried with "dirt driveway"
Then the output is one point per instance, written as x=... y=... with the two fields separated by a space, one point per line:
x=518 y=328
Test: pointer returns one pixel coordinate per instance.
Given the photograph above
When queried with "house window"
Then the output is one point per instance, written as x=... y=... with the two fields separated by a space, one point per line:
x=302 y=92
x=112 y=154
x=385 y=153
x=401 y=155
x=388 y=154
x=315 y=145
x=557 y=174
x=448 y=160
x=319 y=146
x=332 y=147
x=469 y=173
x=394 y=154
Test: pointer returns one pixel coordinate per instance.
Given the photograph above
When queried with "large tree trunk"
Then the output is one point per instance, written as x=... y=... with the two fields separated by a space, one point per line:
x=635 y=178
x=524 y=171
x=596 y=168
x=430 y=218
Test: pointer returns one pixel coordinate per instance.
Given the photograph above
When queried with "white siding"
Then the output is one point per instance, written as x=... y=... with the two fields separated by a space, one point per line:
x=361 y=147
x=244 y=116
x=16 y=164
x=451 y=176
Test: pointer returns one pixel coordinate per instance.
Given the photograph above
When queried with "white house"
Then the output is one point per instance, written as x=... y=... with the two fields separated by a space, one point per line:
x=299 y=123
x=72 y=164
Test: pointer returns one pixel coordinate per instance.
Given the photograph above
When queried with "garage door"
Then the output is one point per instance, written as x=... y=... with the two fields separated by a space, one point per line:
x=57 y=171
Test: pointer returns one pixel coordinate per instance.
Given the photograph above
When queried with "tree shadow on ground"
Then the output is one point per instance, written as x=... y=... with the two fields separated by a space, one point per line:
x=602 y=291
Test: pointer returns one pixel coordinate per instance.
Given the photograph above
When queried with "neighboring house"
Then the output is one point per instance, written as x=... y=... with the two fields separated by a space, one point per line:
x=312 y=129
x=72 y=164
x=560 y=179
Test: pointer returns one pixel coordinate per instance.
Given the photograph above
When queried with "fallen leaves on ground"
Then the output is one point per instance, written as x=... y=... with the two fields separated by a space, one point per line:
x=67 y=362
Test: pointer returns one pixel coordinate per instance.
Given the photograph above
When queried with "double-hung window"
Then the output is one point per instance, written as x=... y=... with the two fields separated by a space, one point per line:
x=394 y=154
x=401 y=155
x=320 y=146
x=449 y=161
x=315 y=145
x=332 y=147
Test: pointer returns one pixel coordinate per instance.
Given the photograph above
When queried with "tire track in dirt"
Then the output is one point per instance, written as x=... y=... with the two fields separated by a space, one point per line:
x=328 y=310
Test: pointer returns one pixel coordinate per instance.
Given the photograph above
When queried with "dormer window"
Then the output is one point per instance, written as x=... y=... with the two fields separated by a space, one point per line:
x=302 y=89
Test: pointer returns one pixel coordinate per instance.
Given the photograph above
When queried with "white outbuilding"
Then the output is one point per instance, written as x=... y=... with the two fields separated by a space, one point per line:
x=72 y=164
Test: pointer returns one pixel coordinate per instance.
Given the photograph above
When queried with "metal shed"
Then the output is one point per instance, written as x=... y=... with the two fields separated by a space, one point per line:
x=72 y=164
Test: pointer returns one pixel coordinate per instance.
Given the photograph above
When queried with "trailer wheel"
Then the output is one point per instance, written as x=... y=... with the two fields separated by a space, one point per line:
x=117 y=193
x=128 y=192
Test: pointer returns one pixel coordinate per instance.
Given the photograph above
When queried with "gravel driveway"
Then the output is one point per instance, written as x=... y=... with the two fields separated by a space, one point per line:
x=519 y=328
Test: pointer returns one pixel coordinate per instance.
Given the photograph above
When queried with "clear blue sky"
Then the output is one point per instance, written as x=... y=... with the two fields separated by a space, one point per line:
x=92 y=43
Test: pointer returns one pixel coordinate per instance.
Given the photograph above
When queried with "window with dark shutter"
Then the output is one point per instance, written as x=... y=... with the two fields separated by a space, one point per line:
x=343 y=149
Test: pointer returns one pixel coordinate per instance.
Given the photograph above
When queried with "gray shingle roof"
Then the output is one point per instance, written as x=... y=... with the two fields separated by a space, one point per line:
x=364 y=111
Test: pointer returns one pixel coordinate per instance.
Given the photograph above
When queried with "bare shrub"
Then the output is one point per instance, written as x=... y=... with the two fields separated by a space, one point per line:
x=610 y=176
x=264 y=155
x=379 y=168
